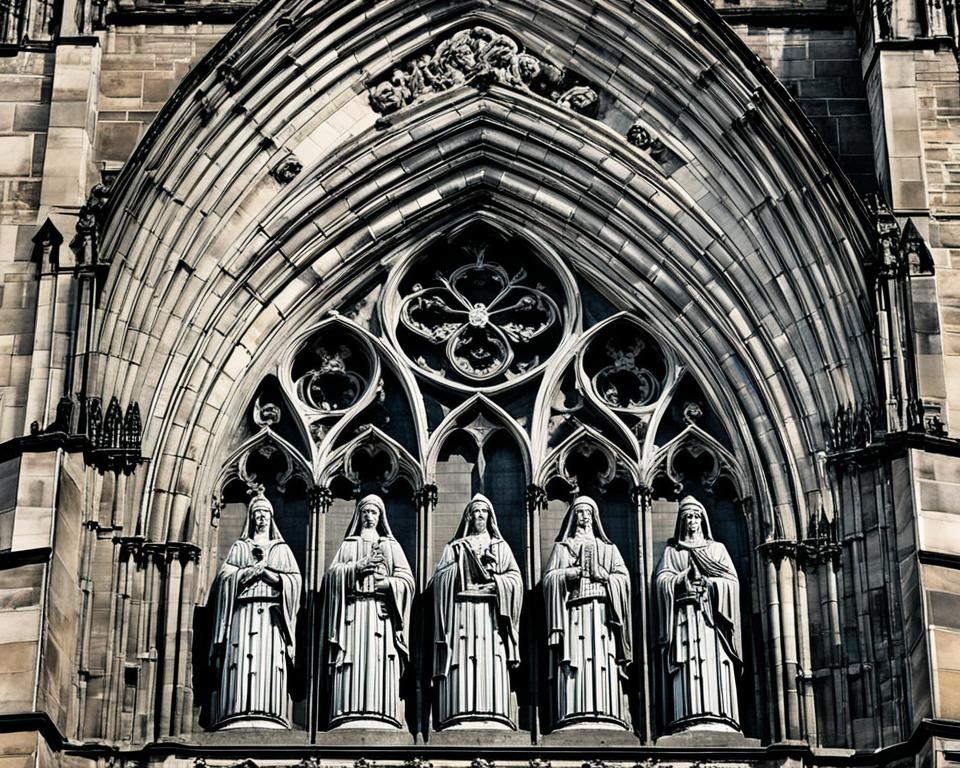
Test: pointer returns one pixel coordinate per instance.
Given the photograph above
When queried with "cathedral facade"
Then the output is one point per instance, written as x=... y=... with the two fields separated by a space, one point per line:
x=479 y=383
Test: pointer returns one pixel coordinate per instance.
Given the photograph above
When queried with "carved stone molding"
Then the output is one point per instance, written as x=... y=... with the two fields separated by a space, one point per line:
x=778 y=549
x=426 y=496
x=161 y=553
x=852 y=427
x=638 y=135
x=229 y=73
x=90 y=220
x=821 y=544
x=481 y=56
x=536 y=497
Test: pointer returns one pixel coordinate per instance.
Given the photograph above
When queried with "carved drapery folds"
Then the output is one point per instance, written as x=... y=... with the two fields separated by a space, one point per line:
x=478 y=596
x=481 y=56
x=586 y=589
x=368 y=592
x=700 y=636
x=256 y=596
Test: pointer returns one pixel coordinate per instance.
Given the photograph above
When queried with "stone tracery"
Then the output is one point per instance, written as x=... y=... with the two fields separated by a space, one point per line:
x=472 y=320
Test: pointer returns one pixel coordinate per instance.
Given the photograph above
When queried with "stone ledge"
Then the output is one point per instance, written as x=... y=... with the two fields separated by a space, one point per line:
x=593 y=736
x=701 y=739
x=479 y=737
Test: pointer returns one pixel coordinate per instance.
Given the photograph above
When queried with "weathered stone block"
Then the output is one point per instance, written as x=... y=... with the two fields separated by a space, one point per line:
x=16 y=153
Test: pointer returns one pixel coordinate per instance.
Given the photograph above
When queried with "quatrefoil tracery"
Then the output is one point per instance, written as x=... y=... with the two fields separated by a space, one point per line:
x=484 y=317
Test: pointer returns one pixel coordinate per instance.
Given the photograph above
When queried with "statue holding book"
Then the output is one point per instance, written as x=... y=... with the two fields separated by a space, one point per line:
x=478 y=592
x=586 y=587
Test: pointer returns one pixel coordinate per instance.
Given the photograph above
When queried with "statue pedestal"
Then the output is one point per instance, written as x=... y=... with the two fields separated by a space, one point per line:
x=365 y=737
x=594 y=734
x=470 y=735
x=703 y=737
x=252 y=737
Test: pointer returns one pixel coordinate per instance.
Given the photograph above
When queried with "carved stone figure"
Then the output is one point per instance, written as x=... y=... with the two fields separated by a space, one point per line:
x=368 y=591
x=255 y=596
x=698 y=598
x=586 y=587
x=478 y=592
x=482 y=56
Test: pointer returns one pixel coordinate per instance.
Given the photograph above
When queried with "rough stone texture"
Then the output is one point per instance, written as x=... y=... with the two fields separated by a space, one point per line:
x=20 y=599
x=140 y=72
x=26 y=83
x=938 y=94
x=25 y=89
x=820 y=67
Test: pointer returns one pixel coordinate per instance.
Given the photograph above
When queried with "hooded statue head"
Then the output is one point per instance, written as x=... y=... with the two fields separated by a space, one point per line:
x=464 y=528
x=356 y=523
x=568 y=529
x=259 y=502
x=689 y=505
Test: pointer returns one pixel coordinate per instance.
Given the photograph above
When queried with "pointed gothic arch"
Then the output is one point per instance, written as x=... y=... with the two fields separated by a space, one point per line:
x=729 y=236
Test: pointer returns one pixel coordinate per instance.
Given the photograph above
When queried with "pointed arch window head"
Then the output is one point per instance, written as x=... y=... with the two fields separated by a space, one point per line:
x=480 y=309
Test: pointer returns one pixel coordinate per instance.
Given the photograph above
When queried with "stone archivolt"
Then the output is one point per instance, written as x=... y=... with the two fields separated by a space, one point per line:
x=262 y=258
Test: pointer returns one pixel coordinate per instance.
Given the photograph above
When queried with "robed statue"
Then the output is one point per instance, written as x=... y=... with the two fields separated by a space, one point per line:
x=255 y=597
x=698 y=599
x=478 y=592
x=368 y=590
x=586 y=587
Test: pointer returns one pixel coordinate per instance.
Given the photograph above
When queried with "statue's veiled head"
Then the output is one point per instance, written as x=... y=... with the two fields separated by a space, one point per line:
x=260 y=518
x=370 y=513
x=692 y=520
x=583 y=512
x=478 y=517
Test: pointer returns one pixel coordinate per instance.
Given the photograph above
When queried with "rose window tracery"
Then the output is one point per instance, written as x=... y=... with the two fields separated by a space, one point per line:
x=465 y=317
